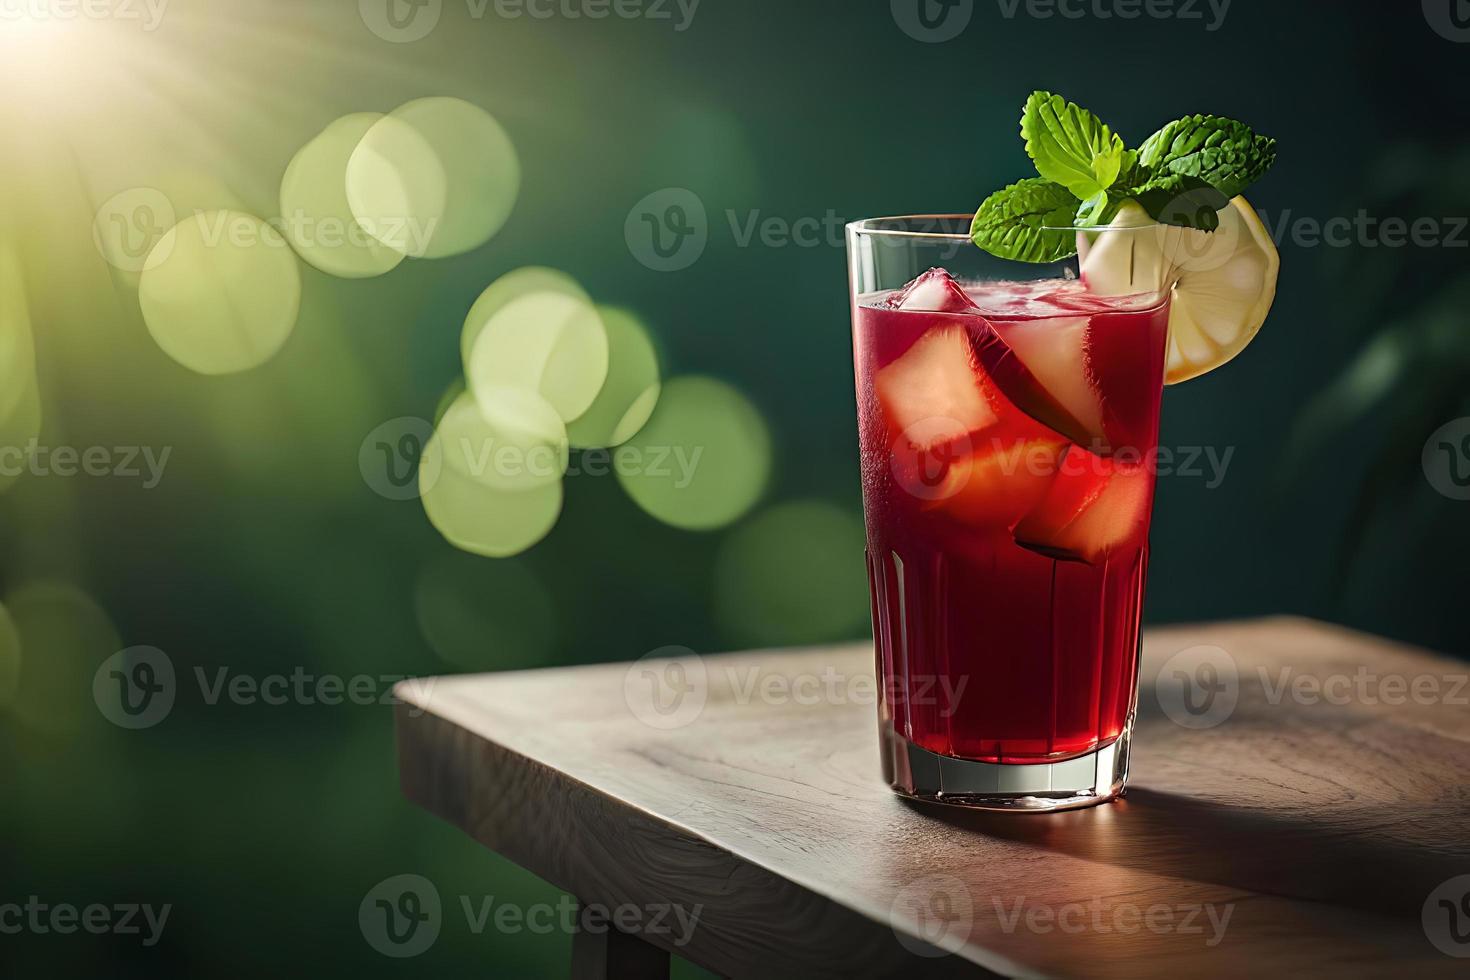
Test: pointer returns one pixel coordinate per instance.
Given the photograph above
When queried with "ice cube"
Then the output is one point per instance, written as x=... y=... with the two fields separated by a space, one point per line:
x=934 y=393
x=1056 y=353
x=1096 y=505
x=936 y=291
x=1001 y=480
x=929 y=460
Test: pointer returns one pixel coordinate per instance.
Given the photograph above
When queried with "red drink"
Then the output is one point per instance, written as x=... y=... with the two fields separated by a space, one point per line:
x=1008 y=434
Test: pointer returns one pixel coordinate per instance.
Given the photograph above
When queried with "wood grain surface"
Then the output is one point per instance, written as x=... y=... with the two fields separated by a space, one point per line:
x=1300 y=825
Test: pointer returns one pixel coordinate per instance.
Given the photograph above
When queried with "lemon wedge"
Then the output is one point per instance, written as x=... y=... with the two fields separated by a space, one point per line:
x=1223 y=281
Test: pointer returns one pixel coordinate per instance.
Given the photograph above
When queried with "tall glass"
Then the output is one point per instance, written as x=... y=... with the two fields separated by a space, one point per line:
x=1008 y=419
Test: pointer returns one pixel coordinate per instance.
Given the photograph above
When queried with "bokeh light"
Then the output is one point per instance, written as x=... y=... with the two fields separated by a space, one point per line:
x=512 y=440
x=547 y=342
x=631 y=390
x=793 y=574
x=450 y=396
x=226 y=294
x=316 y=216
x=396 y=186
x=702 y=460
x=435 y=177
x=478 y=518
x=64 y=636
x=509 y=287
x=482 y=615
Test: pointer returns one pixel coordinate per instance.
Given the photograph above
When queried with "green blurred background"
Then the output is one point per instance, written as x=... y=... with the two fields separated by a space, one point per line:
x=263 y=549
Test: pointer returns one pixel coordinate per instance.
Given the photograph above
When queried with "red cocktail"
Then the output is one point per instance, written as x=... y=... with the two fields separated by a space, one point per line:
x=1007 y=435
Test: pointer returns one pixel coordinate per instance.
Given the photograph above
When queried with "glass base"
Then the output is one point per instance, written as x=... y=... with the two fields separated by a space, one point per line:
x=1087 y=780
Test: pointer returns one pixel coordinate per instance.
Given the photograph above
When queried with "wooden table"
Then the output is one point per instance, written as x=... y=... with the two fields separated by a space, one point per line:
x=1324 y=821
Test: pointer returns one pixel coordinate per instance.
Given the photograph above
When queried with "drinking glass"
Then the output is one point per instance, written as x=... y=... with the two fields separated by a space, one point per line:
x=1008 y=418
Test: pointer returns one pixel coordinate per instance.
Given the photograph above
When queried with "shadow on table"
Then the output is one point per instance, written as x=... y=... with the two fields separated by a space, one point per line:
x=1203 y=841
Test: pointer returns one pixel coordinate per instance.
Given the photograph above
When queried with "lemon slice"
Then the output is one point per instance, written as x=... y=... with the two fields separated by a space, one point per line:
x=1223 y=281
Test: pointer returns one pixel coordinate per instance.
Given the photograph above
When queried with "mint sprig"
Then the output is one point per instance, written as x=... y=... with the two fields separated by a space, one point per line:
x=1181 y=175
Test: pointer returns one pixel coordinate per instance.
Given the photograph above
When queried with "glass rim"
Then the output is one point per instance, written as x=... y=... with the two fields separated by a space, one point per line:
x=874 y=226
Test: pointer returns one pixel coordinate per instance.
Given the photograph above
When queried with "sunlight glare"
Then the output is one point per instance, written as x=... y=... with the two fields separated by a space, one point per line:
x=48 y=61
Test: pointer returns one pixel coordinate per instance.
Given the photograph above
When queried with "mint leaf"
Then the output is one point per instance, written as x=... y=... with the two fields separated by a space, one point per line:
x=1181 y=199
x=1222 y=152
x=1070 y=146
x=1023 y=222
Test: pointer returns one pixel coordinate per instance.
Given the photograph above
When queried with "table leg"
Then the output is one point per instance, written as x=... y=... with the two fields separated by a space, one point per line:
x=601 y=952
